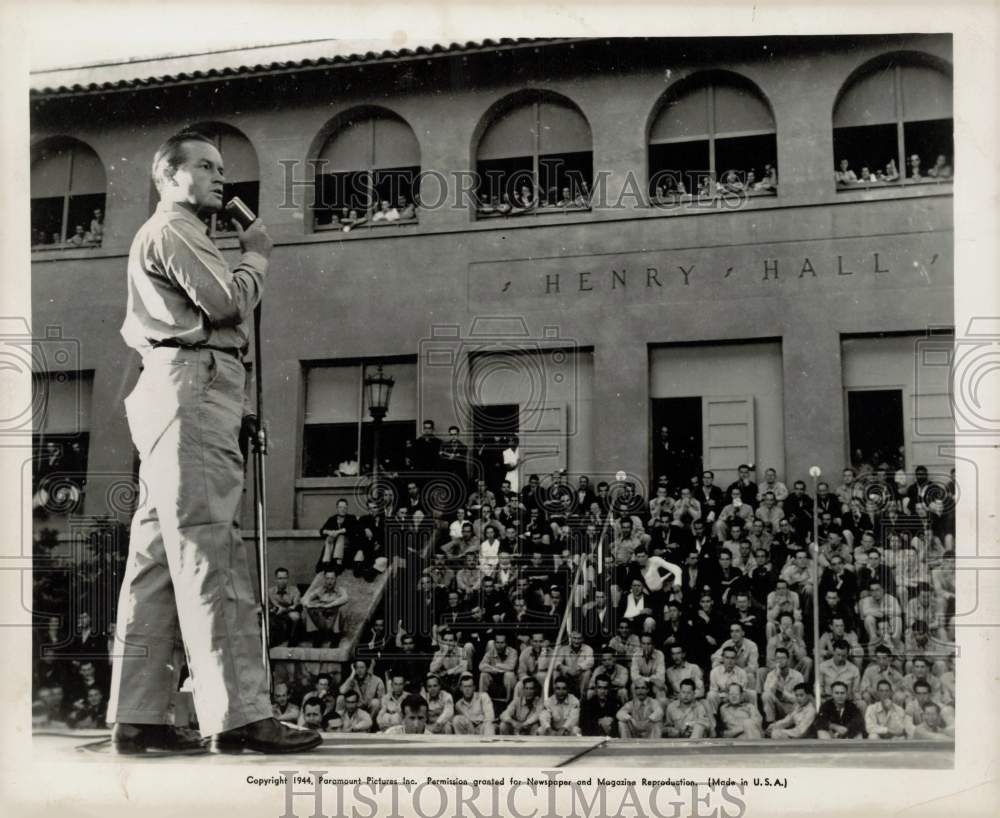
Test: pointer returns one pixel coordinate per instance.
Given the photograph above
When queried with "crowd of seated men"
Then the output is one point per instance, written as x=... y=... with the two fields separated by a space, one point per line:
x=672 y=186
x=528 y=199
x=71 y=675
x=380 y=214
x=82 y=235
x=867 y=175
x=564 y=608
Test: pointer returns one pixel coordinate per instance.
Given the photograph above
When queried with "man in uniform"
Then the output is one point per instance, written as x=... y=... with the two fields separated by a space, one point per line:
x=188 y=315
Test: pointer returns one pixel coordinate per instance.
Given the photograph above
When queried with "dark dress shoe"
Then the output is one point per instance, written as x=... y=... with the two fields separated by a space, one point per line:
x=130 y=739
x=266 y=736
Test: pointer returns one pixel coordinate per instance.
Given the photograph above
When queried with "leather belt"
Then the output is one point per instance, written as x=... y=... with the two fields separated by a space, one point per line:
x=173 y=343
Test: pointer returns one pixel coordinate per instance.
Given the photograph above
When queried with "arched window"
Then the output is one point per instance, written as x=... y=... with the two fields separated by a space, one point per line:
x=534 y=156
x=367 y=173
x=68 y=192
x=892 y=124
x=714 y=133
x=239 y=163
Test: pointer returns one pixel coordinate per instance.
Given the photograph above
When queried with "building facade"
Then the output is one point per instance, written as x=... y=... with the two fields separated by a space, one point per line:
x=803 y=321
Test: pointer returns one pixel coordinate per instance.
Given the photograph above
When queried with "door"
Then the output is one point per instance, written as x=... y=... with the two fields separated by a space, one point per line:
x=728 y=434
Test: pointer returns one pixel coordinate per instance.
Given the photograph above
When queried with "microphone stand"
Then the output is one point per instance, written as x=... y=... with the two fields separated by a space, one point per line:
x=260 y=496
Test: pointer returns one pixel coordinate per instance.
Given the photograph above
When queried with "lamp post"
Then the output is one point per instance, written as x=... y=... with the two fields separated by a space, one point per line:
x=378 y=389
x=814 y=473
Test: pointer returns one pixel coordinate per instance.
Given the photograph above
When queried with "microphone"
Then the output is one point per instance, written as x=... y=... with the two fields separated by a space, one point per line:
x=237 y=210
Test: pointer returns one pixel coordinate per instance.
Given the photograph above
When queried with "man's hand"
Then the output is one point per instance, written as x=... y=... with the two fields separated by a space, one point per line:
x=255 y=239
x=249 y=430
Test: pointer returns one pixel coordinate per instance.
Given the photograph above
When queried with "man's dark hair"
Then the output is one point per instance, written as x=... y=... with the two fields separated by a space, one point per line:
x=687 y=683
x=841 y=644
x=279 y=570
x=801 y=686
x=838 y=684
x=414 y=703
x=171 y=155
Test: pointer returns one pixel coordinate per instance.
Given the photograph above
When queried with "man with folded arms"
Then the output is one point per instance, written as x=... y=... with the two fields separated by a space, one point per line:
x=839 y=717
x=642 y=717
x=688 y=717
x=473 y=710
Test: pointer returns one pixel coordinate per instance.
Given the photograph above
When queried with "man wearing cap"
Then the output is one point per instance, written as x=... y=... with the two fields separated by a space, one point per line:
x=188 y=315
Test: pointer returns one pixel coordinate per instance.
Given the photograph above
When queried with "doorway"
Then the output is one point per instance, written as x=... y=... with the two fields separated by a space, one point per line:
x=492 y=426
x=681 y=457
x=875 y=428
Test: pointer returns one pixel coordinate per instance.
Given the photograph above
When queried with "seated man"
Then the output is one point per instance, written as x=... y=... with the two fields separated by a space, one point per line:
x=450 y=662
x=522 y=716
x=838 y=669
x=722 y=676
x=323 y=693
x=440 y=706
x=322 y=604
x=367 y=685
x=390 y=712
x=914 y=710
x=878 y=670
x=561 y=715
x=799 y=722
x=312 y=716
x=575 y=661
x=793 y=644
x=932 y=726
x=649 y=667
x=642 y=717
x=747 y=655
x=499 y=665
x=534 y=659
x=840 y=717
x=352 y=718
x=473 y=710
x=877 y=607
x=614 y=674
x=598 y=713
x=779 y=686
x=284 y=610
x=680 y=669
x=687 y=716
x=740 y=719
x=780 y=601
x=282 y=706
x=885 y=719
x=90 y=712
x=636 y=609
x=414 y=720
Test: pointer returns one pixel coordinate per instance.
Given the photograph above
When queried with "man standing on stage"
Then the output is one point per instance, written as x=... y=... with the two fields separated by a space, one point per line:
x=189 y=315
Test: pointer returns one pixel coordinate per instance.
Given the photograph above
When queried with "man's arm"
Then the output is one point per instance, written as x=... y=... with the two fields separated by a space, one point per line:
x=194 y=263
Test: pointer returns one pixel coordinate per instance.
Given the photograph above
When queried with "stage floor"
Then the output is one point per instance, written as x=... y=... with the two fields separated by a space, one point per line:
x=449 y=752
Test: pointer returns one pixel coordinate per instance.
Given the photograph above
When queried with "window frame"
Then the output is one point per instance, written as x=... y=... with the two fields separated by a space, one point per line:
x=537 y=161
x=359 y=425
x=72 y=146
x=370 y=172
x=899 y=122
x=709 y=86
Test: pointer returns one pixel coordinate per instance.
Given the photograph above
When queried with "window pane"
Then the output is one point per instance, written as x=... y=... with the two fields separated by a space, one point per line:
x=502 y=177
x=81 y=212
x=337 y=192
x=88 y=173
x=349 y=149
x=511 y=135
x=392 y=442
x=392 y=183
x=46 y=220
x=50 y=174
x=333 y=394
x=868 y=101
x=238 y=158
x=329 y=449
x=63 y=399
x=929 y=140
x=567 y=171
x=740 y=109
x=395 y=144
x=685 y=161
x=926 y=93
x=403 y=400
x=683 y=116
x=562 y=129
x=745 y=153
x=872 y=146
